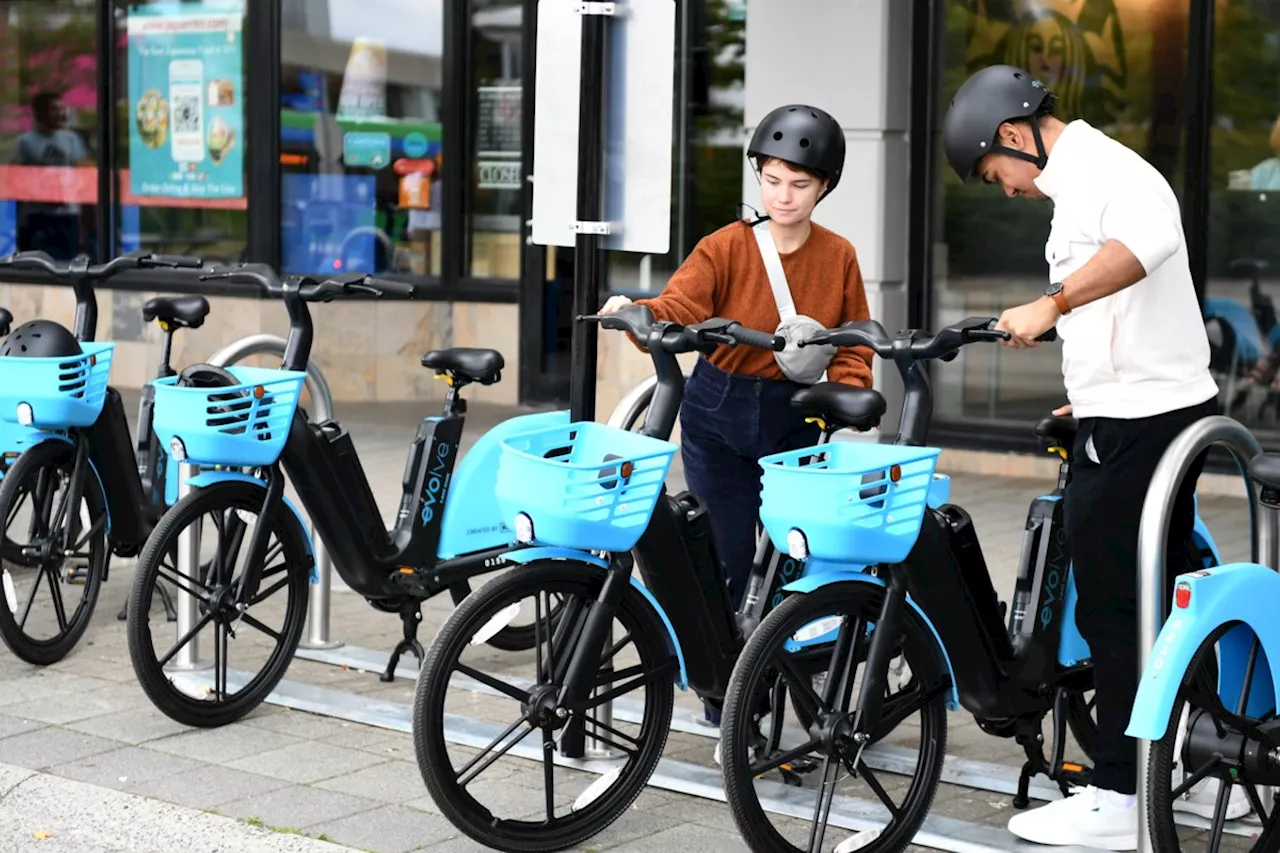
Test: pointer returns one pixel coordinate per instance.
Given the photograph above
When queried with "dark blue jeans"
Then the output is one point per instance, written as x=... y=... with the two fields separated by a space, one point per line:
x=727 y=422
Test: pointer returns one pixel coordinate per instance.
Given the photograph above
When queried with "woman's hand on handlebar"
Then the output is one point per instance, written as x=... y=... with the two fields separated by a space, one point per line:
x=1026 y=323
x=614 y=303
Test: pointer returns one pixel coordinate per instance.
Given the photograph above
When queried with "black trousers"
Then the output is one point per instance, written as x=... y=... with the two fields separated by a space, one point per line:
x=727 y=422
x=1103 y=510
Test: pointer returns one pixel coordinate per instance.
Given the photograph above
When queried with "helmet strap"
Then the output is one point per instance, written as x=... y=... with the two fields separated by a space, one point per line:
x=1041 y=159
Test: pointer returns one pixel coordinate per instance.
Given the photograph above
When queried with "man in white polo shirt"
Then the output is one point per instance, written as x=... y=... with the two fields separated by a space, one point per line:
x=1135 y=362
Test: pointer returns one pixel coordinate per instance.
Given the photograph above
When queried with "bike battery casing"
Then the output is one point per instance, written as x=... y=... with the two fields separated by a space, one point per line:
x=677 y=560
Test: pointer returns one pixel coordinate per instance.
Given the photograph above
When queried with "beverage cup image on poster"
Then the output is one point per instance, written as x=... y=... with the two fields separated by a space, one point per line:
x=188 y=117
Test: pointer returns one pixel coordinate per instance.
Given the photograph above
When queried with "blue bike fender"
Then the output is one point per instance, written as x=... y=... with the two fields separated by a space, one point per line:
x=1238 y=592
x=524 y=556
x=37 y=436
x=208 y=478
x=818 y=574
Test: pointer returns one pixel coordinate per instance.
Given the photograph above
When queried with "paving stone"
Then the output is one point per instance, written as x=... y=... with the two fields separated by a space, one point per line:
x=10 y=726
x=208 y=787
x=684 y=837
x=305 y=762
x=391 y=829
x=70 y=708
x=297 y=806
x=391 y=782
x=124 y=768
x=134 y=726
x=223 y=745
x=51 y=746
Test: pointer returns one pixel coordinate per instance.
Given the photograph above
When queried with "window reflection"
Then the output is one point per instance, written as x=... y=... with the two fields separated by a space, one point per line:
x=360 y=136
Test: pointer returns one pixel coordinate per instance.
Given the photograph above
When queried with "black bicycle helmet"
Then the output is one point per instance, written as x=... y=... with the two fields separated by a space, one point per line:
x=40 y=339
x=985 y=101
x=805 y=136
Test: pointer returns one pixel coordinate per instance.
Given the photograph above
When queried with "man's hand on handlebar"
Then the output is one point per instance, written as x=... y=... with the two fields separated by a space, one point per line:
x=1026 y=323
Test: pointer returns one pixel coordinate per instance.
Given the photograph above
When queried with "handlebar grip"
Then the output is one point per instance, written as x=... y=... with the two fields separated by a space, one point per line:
x=754 y=338
x=391 y=287
x=177 y=261
x=1049 y=336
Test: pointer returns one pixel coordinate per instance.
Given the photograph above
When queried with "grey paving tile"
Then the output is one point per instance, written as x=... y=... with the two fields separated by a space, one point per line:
x=10 y=726
x=72 y=707
x=124 y=768
x=223 y=745
x=306 y=762
x=391 y=829
x=208 y=787
x=135 y=725
x=300 y=724
x=390 y=782
x=297 y=806
x=683 y=837
x=51 y=746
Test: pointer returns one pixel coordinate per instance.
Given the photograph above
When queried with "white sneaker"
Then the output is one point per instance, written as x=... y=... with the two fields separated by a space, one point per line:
x=751 y=756
x=1087 y=818
x=1202 y=799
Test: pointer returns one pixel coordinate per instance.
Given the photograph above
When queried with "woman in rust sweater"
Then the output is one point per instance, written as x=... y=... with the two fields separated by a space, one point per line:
x=737 y=403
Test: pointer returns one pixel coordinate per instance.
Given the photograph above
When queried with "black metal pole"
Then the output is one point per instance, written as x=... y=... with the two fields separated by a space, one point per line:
x=104 y=213
x=588 y=257
x=1196 y=180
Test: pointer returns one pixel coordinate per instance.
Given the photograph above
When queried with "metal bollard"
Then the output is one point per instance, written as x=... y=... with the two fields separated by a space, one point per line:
x=317 y=635
x=1153 y=532
x=187 y=658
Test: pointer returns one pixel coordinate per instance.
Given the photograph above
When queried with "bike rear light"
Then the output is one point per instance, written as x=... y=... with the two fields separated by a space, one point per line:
x=797 y=545
x=26 y=417
x=1182 y=595
x=524 y=528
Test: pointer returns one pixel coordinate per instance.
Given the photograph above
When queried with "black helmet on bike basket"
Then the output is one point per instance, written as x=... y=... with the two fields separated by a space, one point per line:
x=985 y=101
x=805 y=136
x=40 y=339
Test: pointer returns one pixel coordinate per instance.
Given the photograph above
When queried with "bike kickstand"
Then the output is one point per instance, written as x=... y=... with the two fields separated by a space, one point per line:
x=410 y=616
x=1022 y=799
x=170 y=612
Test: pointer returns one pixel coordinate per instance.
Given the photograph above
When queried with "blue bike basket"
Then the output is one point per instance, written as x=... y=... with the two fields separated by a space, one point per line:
x=241 y=426
x=583 y=485
x=853 y=502
x=63 y=392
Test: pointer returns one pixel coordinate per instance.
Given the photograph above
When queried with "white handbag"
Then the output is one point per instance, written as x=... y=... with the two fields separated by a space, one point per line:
x=807 y=365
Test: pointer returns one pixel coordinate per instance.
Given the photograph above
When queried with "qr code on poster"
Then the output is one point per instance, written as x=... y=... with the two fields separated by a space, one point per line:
x=186 y=113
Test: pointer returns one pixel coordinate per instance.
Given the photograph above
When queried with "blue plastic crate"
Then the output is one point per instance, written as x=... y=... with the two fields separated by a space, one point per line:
x=241 y=426
x=854 y=503
x=62 y=392
x=584 y=485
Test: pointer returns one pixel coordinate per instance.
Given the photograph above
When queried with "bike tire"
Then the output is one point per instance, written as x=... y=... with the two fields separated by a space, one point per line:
x=22 y=474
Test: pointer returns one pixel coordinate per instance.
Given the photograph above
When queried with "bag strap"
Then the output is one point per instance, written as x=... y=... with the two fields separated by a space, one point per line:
x=773 y=266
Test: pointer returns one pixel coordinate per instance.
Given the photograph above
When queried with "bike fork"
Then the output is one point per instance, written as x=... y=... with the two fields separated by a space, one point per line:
x=883 y=642
x=584 y=662
x=252 y=576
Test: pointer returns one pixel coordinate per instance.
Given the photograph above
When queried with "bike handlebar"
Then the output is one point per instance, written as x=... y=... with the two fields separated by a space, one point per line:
x=81 y=268
x=308 y=288
x=675 y=338
x=944 y=345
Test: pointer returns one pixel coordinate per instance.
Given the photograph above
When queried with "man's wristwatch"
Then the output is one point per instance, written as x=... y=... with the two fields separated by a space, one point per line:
x=1054 y=292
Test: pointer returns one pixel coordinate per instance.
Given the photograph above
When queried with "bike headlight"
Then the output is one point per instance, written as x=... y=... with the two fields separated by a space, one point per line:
x=797 y=545
x=26 y=417
x=524 y=528
x=177 y=449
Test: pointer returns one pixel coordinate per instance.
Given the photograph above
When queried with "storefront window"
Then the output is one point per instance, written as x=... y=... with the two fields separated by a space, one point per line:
x=181 y=137
x=1243 y=253
x=48 y=127
x=498 y=179
x=1118 y=64
x=360 y=136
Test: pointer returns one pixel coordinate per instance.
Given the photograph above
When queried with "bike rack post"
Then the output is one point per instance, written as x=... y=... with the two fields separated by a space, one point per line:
x=1153 y=532
x=187 y=658
x=317 y=636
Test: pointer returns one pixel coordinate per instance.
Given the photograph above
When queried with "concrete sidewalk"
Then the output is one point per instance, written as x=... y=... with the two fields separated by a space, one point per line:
x=85 y=756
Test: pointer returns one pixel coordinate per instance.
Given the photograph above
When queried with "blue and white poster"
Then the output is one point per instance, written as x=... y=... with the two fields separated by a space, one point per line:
x=186 y=101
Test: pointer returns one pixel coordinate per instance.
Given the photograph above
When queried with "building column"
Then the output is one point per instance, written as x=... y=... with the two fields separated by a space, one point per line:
x=851 y=58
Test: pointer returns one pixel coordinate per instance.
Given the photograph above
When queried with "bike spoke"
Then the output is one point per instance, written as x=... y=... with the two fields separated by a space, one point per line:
x=497 y=684
x=31 y=599
x=186 y=638
x=665 y=671
x=524 y=720
x=823 y=807
x=1251 y=792
x=617 y=647
x=263 y=595
x=1220 y=814
x=254 y=623
x=219 y=663
x=549 y=771
x=96 y=528
x=603 y=678
x=180 y=581
x=631 y=750
x=875 y=785
x=1195 y=777
x=801 y=686
x=59 y=609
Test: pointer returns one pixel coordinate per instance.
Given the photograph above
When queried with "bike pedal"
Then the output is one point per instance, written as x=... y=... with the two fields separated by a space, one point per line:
x=790 y=777
x=1073 y=774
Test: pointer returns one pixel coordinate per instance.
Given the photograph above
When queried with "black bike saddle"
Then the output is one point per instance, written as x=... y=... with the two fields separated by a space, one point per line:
x=841 y=405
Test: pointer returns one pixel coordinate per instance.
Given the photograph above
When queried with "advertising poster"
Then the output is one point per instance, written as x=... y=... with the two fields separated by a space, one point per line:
x=186 y=101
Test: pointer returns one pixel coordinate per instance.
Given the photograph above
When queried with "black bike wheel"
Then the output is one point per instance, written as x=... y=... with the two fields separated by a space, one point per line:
x=35 y=495
x=852 y=606
x=186 y=697
x=607 y=797
x=1082 y=720
x=1199 y=690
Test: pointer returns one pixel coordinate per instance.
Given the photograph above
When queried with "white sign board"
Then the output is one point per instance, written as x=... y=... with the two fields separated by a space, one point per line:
x=639 y=113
